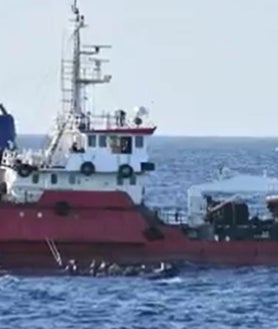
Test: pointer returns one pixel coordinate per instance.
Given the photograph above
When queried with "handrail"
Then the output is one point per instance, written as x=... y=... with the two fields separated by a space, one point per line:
x=170 y=215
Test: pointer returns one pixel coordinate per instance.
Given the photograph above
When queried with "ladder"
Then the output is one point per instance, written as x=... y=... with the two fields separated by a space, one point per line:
x=67 y=85
x=54 y=251
x=55 y=142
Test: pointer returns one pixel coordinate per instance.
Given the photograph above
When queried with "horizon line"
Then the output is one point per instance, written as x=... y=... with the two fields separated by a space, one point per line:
x=182 y=136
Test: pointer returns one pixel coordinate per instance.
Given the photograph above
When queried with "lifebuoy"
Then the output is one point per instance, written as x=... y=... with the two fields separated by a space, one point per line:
x=24 y=170
x=125 y=171
x=62 y=208
x=87 y=168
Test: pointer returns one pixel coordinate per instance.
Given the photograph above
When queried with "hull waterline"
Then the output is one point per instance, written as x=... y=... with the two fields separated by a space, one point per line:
x=38 y=256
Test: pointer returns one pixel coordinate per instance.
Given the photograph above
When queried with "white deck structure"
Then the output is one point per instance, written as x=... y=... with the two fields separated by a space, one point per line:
x=250 y=188
x=86 y=150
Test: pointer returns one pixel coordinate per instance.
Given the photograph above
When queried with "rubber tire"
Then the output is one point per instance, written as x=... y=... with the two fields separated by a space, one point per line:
x=87 y=168
x=125 y=171
x=24 y=170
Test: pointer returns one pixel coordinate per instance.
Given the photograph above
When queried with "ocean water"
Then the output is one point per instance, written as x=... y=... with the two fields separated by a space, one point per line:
x=200 y=297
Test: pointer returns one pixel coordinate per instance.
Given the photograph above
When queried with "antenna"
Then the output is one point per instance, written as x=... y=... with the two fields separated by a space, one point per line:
x=84 y=69
x=74 y=8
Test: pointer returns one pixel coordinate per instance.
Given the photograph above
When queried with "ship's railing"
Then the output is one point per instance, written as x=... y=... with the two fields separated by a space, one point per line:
x=177 y=216
x=8 y=157
x=112 y=121
x=170 y=215
x=29 y=156
x=23 y=195
x=108 y=121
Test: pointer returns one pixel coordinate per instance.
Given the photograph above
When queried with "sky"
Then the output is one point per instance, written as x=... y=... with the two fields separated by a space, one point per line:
x=202 y=67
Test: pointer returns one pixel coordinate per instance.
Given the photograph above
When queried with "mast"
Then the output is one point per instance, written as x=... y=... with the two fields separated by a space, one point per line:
x=87 y=69
x=77 y=74
x=78 y=24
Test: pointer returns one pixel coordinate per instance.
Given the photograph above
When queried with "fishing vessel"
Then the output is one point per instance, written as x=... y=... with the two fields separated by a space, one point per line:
x=81 y=198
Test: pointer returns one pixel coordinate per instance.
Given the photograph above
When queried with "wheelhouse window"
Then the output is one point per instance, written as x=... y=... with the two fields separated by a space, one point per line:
x=54 y=179
x=102 y=141
x=35 y=178
x=92 y=140
x=126 y=145
x=121 y=144
x=139 y=141
x=115 y=144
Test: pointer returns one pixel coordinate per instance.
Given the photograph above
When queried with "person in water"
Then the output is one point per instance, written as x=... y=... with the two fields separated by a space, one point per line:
x=72 y=267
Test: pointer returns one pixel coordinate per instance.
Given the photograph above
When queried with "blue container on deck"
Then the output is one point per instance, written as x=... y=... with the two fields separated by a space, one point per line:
x=7 y=128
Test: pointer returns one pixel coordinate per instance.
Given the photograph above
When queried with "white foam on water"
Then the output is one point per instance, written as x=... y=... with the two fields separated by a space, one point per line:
x=176 y=279
x=6 y=280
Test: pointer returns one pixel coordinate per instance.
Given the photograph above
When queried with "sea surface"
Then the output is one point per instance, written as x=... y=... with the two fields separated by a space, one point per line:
x=200 y=297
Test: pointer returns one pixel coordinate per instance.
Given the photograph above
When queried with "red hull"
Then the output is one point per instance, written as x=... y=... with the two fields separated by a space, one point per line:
x=108 y=226
x=16 y=255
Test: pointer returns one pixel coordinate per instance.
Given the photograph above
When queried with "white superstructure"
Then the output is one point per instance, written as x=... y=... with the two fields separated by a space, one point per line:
x=85 y=150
